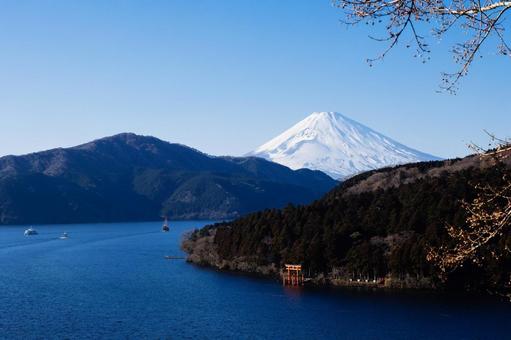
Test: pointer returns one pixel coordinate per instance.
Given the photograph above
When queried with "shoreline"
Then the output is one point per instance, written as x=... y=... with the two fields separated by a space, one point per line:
x=321 y=280
x=435 y=292
x=201 y=251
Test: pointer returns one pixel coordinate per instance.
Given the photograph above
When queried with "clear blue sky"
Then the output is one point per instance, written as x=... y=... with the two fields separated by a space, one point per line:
x=224 y=76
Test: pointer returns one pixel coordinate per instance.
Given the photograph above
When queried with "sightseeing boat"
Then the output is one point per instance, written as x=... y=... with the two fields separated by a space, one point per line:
x=30 y=231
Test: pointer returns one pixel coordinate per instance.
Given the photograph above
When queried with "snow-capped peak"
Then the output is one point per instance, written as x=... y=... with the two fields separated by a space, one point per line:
x=336 y=145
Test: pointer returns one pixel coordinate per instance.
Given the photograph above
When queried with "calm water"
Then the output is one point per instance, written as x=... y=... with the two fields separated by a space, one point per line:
x=112 y=281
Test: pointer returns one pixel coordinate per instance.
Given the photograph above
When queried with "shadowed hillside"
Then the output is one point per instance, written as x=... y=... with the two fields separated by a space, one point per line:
x=129 y=177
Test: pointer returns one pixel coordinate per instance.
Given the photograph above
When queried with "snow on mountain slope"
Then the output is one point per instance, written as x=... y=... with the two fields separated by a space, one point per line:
x=336 y=145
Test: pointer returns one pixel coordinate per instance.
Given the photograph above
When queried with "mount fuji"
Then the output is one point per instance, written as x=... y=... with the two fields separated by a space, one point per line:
x=336 y=145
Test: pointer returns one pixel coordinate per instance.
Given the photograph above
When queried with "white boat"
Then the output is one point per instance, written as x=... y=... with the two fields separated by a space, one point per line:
x=64 y=236
x=30 y=231
x=165 y=227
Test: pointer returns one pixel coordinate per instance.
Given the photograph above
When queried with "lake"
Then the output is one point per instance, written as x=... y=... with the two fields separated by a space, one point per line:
x=111 y=281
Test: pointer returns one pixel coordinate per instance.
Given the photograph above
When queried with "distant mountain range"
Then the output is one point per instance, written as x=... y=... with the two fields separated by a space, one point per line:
x=128 y=177
x=336 y=145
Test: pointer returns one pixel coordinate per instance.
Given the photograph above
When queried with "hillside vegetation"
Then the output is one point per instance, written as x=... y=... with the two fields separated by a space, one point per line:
x=376 y=225
x=130 y=178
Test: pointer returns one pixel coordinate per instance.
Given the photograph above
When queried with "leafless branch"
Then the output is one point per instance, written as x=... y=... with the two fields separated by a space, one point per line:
x=479 y=19
x=488 y=218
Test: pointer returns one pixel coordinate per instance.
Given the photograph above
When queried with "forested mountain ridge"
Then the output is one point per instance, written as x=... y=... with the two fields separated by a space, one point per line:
x=379 y=224
x=128 y=177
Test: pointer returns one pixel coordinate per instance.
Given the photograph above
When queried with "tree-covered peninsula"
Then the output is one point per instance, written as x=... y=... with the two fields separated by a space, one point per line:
x=375 y=229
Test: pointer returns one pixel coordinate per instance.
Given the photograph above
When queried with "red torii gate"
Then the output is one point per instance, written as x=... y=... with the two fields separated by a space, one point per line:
x=294 y=275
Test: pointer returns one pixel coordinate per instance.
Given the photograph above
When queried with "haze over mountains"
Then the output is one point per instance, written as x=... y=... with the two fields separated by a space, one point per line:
x=128 y=177
x=336 y=145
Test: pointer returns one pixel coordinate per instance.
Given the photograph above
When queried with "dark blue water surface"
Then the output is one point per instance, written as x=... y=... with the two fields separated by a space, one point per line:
x=112 y=281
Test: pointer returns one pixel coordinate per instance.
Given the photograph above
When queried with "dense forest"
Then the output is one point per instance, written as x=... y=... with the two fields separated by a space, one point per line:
x=378 y=224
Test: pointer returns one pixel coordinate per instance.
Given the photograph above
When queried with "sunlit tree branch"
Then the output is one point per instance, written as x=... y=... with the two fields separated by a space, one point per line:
x=488 y=219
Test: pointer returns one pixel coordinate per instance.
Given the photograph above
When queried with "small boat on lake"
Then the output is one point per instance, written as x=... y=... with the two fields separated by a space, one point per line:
x=64 y=236
x=30 y=231
x=165 y=227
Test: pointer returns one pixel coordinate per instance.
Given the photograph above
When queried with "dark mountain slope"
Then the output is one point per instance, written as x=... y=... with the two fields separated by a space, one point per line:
x=375 y=225
x=131 y=177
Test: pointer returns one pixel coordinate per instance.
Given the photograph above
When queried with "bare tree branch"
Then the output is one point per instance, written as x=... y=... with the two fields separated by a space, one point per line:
x=488 y=218
x=479 y=19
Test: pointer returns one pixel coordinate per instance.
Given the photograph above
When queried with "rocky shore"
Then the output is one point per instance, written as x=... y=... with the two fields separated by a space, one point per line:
x=202 y=251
